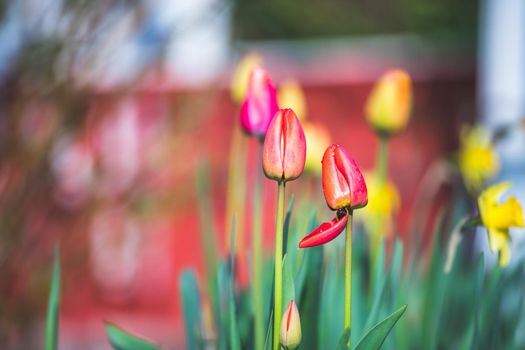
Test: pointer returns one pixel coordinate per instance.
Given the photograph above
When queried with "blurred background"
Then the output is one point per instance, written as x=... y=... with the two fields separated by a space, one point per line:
x=108 y=109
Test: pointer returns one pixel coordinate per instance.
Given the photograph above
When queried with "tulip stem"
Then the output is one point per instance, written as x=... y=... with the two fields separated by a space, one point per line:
x=382 y=160
x=279 y=222
x=348 y=273
x=257 y=290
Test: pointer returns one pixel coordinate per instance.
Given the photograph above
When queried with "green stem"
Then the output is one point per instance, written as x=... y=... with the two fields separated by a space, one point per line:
x=257 y=290
x=348 y=273
x=278 y=291
x=382 y=160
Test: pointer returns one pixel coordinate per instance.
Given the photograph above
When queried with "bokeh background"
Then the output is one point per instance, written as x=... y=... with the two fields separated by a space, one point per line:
x=109 y=109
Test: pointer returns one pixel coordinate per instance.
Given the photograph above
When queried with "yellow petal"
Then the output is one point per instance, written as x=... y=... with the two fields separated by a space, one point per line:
x=241 y=75
x=499 y=241
x=478 y=161
x=390 y=102
x=291 y=95
x=317 y=140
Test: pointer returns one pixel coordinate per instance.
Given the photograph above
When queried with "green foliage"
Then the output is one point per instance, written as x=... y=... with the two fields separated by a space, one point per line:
x=122 y=340
x=191 y=307
x=474 y=305
x=374 y=338
x=53 y=305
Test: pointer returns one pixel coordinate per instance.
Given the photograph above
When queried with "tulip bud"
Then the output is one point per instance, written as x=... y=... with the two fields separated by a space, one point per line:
x=291 y=95
x=290 y=334
x=389 y=104
x=284 y=149
x=343 y=183
x=241 y=76
x=260 y=104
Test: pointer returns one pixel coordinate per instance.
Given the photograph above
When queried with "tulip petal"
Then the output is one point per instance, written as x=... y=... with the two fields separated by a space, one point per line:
x=260 y=103
x=353 y=176
x=273 y=148
x=335 y=186
x=326 y=232
x=294 y=146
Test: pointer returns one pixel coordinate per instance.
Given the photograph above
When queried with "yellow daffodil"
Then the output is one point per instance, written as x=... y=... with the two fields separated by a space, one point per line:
x=478 y=162
x=383 y=202
x=389 y=104
x=241 y=75
x=291 y=95
x=498 y=218
x=317 y=140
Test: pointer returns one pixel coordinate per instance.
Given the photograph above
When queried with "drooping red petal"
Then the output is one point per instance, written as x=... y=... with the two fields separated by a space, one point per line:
x=324 y=233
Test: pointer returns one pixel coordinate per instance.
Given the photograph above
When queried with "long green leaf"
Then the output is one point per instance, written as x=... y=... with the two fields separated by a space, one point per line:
x=375 y=337
x=343 y=340
x=53 y=305
x=286 y=228
x=122 y=340
x=191 y=307
x=288 y=282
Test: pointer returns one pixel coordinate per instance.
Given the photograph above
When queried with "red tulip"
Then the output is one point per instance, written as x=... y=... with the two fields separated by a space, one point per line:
x=284 y=149
x=344 y=190
x=343 y=183
x=260 y=104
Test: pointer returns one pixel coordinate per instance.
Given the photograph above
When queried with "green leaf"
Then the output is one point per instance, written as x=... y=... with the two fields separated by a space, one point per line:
x=375 y=337
x=379 y=287
x=235 y=342
x=207 y=226
x=191 y=307
x=288 y=283
x=53 y=305
x=286 y=228
x=343 y=340
x=122 y=340
x=269 y=333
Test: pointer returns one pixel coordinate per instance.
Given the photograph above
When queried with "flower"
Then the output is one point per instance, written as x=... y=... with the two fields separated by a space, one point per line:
x=343 y=183
x=478 y=162
x=383 y=202
x=498 y=218
x=290 y=334
x=241 y=76
x=260 y=104
x=390 y=102
x=317 y=140
x=344 y=189
x=291 y=95
x=284 y=149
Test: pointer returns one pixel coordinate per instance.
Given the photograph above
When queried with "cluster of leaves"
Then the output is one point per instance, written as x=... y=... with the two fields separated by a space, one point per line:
x=472 y=306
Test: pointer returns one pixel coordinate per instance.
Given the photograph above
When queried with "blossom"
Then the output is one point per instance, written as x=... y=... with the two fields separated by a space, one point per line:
x=389 y=104
x=317 y=140
x=260 y=103
x=498 y=217
x=343 y=183
x=291 y=95
x=478 y=161
x=290 y=332
x=241 y=76
x=284 y=149
x=344 y=189
x=383 y=202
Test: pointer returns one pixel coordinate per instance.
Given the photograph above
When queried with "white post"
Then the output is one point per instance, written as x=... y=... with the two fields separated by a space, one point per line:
x=501 y=92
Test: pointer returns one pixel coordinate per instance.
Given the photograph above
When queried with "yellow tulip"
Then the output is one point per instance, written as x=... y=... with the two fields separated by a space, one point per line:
x=389 y=104
x=478 y=162
x=383 y=203
x=241 y=75
x=291 y=95
x=498 y=218
x=317 y=140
